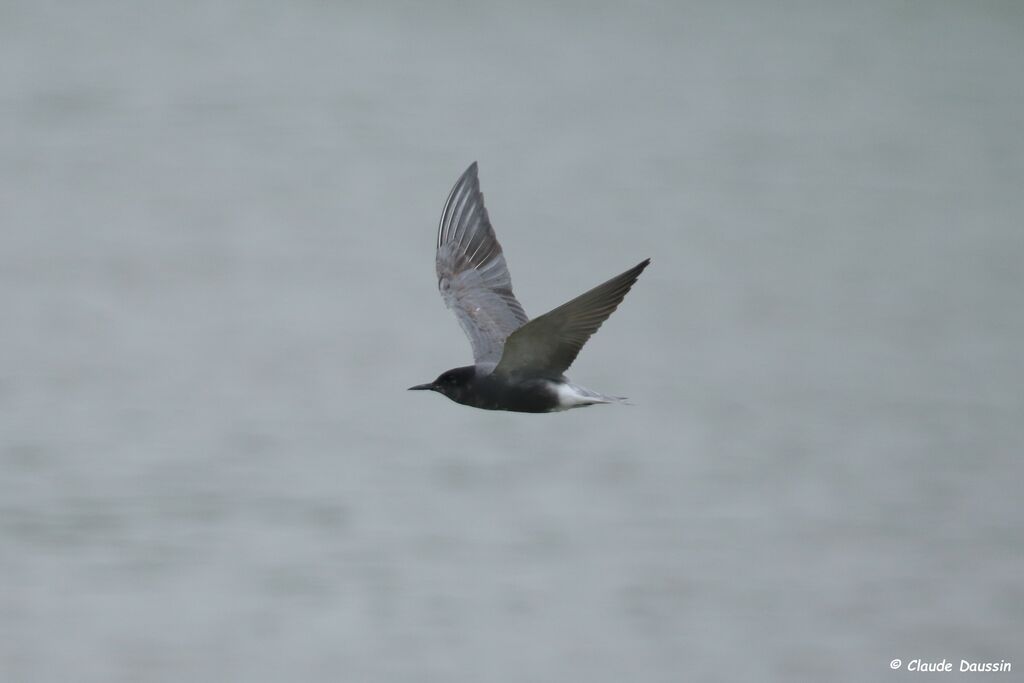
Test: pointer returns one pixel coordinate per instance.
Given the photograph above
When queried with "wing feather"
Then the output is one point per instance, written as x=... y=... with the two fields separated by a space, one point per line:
x=471 y=271
x=547 y=345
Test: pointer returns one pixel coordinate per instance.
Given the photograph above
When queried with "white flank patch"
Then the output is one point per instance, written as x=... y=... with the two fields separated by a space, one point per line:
x=570 y=396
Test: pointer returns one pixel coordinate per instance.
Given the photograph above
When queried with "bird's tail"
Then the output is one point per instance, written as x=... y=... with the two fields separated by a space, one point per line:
x=588 y=397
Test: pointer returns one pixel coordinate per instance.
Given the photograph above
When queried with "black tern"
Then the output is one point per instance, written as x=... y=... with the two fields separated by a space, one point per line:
x=518 y=362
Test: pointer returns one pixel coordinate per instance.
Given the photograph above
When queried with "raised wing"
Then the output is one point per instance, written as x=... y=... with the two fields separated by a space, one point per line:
x=471 y=271
x=547 y=345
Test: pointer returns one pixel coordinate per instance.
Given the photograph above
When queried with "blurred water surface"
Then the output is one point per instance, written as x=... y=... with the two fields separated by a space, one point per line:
x=216 y=278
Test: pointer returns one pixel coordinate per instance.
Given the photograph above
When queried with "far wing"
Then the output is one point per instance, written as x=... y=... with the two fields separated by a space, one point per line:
x=547 y=345
x=471 y=271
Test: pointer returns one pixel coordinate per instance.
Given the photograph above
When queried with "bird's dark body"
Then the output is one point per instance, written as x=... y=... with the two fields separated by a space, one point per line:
x=482 y=389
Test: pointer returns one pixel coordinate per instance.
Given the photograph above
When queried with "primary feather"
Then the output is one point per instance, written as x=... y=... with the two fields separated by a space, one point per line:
x=471 y=271
x=547 y=345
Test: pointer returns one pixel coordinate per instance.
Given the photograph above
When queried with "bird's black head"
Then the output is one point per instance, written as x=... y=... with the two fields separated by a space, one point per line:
x=456 y=384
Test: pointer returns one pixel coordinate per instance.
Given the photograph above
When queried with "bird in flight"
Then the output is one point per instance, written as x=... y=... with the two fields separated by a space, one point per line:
x=518 y=363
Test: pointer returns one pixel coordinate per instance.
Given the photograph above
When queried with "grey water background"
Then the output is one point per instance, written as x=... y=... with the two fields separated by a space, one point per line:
x=216 y=281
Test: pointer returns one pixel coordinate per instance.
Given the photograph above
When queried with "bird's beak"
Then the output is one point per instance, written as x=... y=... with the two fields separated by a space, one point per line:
x=421 y=387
